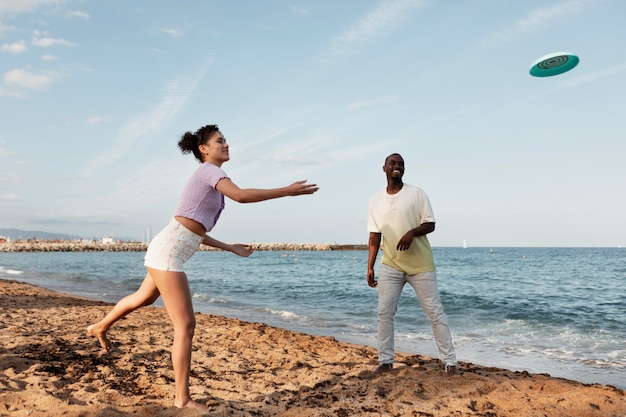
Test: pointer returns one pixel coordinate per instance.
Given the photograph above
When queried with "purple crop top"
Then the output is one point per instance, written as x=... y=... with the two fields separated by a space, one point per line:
x=200 y=201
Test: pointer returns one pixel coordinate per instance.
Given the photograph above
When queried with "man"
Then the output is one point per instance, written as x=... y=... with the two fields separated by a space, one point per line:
x=402 y=215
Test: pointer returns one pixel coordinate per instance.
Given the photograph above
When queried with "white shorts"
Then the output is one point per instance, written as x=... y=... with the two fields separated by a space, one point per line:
x=172 y=247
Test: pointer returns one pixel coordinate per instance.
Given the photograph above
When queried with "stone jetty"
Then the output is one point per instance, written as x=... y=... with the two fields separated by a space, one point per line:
x=95 y=246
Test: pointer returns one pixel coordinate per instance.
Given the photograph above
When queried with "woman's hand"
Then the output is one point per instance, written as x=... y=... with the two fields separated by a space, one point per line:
x=301 y=187
x=242 y=250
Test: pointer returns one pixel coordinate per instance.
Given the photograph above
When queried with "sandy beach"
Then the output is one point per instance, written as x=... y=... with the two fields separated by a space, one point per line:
x=51 y=367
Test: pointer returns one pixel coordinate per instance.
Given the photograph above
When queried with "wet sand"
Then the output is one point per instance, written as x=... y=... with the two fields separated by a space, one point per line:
x=49 y=366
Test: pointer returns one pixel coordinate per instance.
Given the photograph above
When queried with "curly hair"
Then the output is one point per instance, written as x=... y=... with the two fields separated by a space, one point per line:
x=190 y=142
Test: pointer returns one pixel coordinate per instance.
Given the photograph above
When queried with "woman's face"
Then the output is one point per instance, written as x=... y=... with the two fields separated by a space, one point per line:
x=215 y=150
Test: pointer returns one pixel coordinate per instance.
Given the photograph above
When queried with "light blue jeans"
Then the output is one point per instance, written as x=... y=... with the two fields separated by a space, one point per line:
x=390 y=285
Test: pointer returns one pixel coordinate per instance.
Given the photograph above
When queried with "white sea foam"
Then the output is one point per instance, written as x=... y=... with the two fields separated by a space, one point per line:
x=281 y=313
x=208 y=299
x=10 y=271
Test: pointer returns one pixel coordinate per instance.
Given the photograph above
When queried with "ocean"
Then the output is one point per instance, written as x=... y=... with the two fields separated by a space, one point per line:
x=557 y=311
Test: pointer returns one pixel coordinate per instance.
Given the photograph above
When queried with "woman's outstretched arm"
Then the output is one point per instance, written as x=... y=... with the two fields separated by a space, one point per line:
x=237 y=249
x=253 y=195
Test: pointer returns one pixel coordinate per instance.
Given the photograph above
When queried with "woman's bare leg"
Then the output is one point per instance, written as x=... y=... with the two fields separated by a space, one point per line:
x=174 y=289
x=145 y=295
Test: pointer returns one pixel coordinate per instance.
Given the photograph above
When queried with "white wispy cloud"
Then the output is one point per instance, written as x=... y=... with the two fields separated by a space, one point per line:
x=175 y=95
x=384 y=17
x=578 y=80
x=596 y=75
x=48 y=57
x=76 y=14
x=535 y=19
x=371 y=103
x=6 y=152
x=41 y=39
x=300 y=10
x=10 y=197
x=175 y=33
x=15 y=94
x=6 y=28
x=139 y=188
x=22 y=6
x=28 y=79
x=94 y=120
x=15 y=47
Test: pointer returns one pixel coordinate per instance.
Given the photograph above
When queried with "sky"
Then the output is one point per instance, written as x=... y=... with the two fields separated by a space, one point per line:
x=94 y=96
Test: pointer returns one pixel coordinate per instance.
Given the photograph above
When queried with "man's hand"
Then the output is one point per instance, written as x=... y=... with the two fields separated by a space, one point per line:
x=371 y=280
x=405 y=241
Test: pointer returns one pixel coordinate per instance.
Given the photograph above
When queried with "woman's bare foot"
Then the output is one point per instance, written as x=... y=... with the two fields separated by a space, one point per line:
x=194 y=405
x=94 y=330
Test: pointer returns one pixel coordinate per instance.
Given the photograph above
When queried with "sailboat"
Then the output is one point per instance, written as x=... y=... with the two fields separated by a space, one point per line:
x=464 y=244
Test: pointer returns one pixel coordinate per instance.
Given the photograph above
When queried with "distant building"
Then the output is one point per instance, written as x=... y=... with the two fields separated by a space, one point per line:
x=107 y=239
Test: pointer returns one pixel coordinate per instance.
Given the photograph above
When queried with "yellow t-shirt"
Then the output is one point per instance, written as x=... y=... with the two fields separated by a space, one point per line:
x=395 y=214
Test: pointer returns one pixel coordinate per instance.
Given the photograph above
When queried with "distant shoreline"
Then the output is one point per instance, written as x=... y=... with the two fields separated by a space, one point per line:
x=68 y=246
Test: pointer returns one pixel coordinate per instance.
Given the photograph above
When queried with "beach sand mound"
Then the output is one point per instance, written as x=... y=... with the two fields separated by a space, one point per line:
x=49 y=366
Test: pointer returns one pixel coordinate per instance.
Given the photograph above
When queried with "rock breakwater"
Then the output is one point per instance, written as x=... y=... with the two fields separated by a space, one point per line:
x=141 y=247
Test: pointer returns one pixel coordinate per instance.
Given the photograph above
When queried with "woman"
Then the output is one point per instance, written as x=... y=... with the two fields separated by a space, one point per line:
x=199 y=208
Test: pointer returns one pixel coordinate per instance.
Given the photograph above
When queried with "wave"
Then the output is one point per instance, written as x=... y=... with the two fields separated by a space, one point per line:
x=282 y=313
x=3 y=270
x=209 y=299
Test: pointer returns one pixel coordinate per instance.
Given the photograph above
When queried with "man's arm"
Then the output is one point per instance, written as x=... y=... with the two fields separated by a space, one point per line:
x=421 y=230
x=373 y=246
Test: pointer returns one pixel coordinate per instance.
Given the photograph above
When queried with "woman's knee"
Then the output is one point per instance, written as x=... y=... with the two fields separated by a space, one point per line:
x=150 y=300
x=185 y=330
x=189 y=326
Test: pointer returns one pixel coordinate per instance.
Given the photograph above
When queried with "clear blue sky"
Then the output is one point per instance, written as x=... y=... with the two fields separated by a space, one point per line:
x=94 y=96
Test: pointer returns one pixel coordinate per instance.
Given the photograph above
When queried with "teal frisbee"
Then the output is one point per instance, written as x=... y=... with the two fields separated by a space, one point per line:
x=554 y=64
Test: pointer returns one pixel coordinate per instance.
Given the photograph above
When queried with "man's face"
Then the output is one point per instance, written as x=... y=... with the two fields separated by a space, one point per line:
x=394 y=167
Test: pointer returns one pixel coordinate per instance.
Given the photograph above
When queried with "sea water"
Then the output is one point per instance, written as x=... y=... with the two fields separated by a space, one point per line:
x=560 y=311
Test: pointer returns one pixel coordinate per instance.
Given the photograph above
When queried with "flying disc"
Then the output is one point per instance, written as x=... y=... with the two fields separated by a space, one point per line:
x=554 y=64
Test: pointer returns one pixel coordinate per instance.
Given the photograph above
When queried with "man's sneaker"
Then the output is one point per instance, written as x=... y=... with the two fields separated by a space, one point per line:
x=384 y=367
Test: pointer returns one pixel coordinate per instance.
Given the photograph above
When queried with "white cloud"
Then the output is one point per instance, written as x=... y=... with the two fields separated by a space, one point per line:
x=300 y=11
x=536 y=18
x=21 y=6
x=6 y=152
x=595 y=75
x=11 y=197
x=4 y=93
x=175 y=95
x=48 y=57
x=385 y=16
x=172 y=32
x=24 y=78
x=15 y=47
x=78 y=14
x=94 y=120
x=370 y=103
x=578 y=80
x=40 y=39
x=5 y=29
